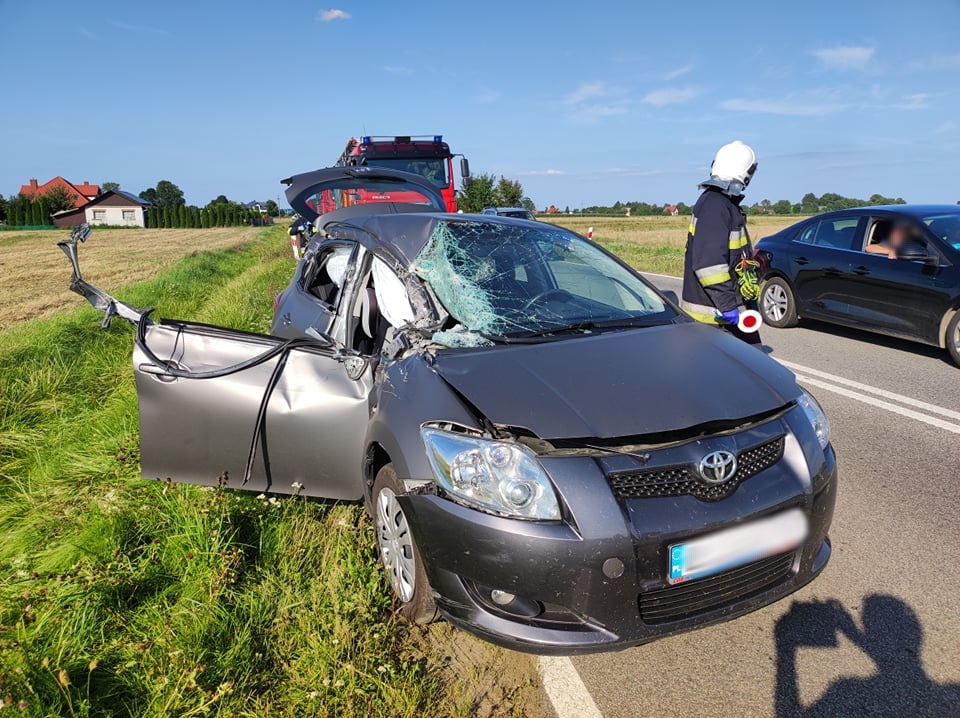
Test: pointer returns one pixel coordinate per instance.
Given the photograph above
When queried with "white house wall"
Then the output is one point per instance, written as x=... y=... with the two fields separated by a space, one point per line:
x=114 y=216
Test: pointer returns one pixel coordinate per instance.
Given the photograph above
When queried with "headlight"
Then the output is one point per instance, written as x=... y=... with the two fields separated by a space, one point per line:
x=496 y=476
x=817 y=418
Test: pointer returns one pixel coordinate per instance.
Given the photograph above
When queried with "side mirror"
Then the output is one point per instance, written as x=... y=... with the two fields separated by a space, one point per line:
x=914 y=253
x=465 y=171
x=672 y=296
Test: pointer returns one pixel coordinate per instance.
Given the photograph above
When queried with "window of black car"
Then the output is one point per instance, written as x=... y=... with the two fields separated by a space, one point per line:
x=500 y=279
x=946 y=227
x=325 y=273
x=836 y=233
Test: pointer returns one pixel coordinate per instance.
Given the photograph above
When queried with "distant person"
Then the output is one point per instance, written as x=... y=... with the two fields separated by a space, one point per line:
x=897 y=237
x=719 y=276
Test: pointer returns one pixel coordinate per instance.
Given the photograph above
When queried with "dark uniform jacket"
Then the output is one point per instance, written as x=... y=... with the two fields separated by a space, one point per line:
x=716 y=241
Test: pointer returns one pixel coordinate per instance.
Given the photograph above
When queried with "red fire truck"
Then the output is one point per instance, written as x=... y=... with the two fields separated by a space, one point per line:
x=425 y=155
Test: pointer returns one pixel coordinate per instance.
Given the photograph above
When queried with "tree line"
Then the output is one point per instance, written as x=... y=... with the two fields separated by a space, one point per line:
x=809 y=204
x=485 y=190
x=168 y=209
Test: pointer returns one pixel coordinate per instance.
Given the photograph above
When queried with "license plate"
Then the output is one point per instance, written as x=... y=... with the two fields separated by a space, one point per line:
x=736 y=546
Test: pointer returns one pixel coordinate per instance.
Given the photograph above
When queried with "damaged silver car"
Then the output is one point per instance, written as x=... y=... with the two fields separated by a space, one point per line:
x=555 y=457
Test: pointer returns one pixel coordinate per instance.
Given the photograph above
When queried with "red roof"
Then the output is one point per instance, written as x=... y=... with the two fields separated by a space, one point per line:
x=84 y=192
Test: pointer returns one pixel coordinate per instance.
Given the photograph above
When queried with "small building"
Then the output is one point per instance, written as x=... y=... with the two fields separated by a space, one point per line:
x=113 y=208
x=83 y=192
x=671 y=209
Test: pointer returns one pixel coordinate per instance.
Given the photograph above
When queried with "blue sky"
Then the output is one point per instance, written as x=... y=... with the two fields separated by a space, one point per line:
x=584 y=103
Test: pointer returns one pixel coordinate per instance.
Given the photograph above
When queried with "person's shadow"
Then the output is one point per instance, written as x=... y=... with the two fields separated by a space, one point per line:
x=891 y=637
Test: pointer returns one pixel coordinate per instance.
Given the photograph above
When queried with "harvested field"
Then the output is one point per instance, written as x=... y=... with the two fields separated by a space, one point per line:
x=37 y=274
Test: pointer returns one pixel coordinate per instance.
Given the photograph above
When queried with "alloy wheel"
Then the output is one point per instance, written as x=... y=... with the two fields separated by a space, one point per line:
x=775 y=302
x=396 y=545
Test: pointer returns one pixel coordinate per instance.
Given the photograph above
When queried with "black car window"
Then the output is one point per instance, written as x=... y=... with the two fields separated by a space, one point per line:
x=808 y=233
x=836 y=233
x=325 y=273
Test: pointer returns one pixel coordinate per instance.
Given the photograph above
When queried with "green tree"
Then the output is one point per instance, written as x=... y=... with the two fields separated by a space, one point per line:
x=273 y=209
x=509 y=193
x=809 y=204
x=528 y=204
x=149 y=195
x=3 y=209
x=165 y=216
x=478 y=194
x=182 y=216
x=204 y=218
x=109 y=186
x=59 y=198
x=152 y=217
x=782 y=206
x=169 y=194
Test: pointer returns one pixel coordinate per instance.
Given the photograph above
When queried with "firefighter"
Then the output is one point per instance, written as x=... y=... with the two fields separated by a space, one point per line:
x=719 y=273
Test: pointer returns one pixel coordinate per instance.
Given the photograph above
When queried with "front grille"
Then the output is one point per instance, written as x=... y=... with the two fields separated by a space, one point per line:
x=687 y=599
x=684 y=479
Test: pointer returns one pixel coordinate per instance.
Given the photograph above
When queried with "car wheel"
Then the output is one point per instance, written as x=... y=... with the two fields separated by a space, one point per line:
x=953 y=338
x=398 y=551
x=777 y=303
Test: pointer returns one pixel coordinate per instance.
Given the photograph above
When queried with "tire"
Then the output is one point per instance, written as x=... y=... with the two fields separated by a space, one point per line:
x=953 y=338
x=398 y=551
x=777 y=303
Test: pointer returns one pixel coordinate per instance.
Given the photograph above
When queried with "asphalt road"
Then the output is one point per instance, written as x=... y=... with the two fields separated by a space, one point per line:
x=878 y=633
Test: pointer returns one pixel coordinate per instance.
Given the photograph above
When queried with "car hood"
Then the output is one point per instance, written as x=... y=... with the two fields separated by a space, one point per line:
x=619 y=384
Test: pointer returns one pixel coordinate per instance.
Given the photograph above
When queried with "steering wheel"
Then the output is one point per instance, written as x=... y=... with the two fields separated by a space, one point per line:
x=543 y=295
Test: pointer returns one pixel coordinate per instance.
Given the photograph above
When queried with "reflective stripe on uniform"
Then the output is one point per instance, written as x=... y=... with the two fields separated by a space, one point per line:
x=714 y=274
x=737 y=239
x=700 y=312
x=692 y=227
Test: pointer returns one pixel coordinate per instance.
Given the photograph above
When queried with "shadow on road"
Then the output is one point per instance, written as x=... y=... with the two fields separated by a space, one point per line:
x=862 y=335
x=891 y=637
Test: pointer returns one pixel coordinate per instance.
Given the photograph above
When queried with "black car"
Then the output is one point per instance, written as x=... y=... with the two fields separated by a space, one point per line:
x=555 y=457
x=892 y=269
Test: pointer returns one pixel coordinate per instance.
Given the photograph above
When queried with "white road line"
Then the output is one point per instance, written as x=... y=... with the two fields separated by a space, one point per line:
x=909 y=413
x=565 y=689
x=662 y=276
x=899 y=398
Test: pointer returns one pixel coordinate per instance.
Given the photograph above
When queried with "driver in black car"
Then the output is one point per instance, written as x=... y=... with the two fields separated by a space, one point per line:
x=899 y=235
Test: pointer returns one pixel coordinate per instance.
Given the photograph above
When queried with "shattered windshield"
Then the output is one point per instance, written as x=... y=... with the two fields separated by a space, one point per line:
x=500 y=280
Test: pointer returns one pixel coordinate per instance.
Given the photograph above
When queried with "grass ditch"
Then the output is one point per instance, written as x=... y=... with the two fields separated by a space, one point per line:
x=121 y=597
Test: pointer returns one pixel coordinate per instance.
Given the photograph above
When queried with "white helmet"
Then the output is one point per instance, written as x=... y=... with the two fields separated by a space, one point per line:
x=735 y=162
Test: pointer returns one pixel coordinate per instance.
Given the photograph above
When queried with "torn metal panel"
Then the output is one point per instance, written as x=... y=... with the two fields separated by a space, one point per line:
x=99 y=299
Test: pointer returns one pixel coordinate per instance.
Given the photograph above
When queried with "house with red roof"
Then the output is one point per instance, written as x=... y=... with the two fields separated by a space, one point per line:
x=84 y=192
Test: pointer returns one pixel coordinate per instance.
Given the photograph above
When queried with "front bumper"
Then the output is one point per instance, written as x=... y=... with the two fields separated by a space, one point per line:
x=595 y=574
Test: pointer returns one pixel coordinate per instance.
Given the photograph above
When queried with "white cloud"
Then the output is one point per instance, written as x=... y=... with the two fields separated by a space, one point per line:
x=940 y=61
x=591 y=91
x=398 y=70
x=86 y=33
x=631 y=172
x=784 y=106
x=947 y=128
x=670 y=96
x=593 y=101
x=847 y=57
x=144 y=29
x=677 y=72
x=332 y=14
x=917 y=101
x=543 y=173
x=487 y=96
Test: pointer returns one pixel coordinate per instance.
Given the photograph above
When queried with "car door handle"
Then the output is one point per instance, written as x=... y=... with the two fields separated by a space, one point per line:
x=831 y=272
x=801 y=260
x=861 y=271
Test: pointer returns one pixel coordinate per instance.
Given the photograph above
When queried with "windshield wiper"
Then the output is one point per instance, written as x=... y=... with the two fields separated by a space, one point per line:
x=584 y=327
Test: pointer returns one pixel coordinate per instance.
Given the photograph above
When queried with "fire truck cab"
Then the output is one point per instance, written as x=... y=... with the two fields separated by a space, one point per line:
x=425 y=155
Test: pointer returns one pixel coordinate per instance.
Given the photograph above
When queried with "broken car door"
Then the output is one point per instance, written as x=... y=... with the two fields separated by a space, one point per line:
x=224 y=407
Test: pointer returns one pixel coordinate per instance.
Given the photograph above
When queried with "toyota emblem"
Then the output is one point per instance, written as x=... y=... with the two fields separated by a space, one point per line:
x=718 y=466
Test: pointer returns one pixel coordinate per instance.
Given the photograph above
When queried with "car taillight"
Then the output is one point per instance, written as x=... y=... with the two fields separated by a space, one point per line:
x=762 y=259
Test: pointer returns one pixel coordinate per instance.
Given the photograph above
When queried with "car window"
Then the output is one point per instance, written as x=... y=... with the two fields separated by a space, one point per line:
x=946 y=227
x=325 y=273
x=836 y=233
x=503 y=279
x=808 y=233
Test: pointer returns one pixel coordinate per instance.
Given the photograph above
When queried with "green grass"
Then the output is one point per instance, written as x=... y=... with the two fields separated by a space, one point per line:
x=120 y=597
x=656 y=258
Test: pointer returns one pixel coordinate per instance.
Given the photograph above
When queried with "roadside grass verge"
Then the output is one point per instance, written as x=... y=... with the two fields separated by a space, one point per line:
x=122 y=597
